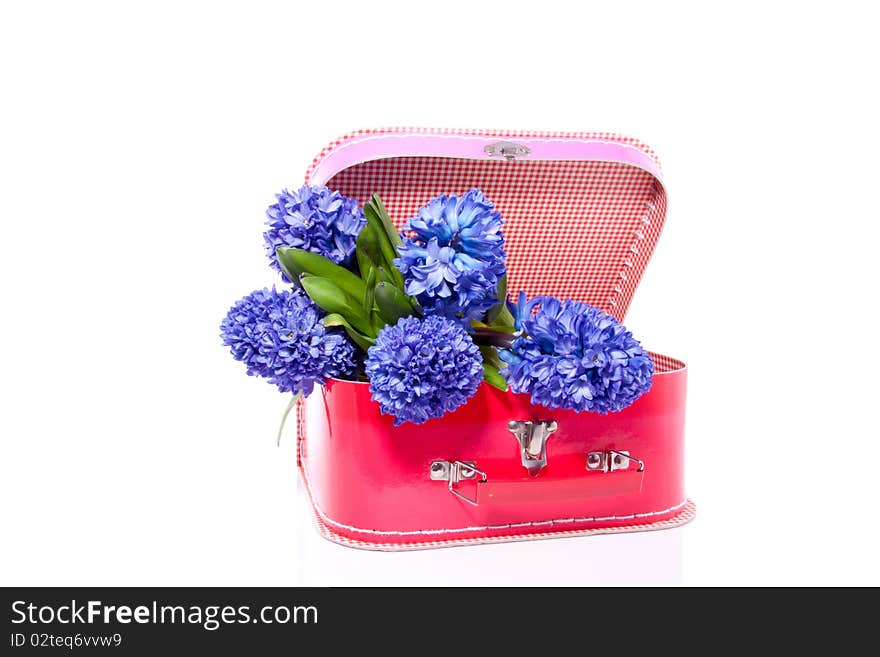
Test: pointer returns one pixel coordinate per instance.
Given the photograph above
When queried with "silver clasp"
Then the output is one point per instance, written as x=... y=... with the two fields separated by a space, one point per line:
x=506 y=149
x=453 y=472
x=532 y=438
x=612 y=460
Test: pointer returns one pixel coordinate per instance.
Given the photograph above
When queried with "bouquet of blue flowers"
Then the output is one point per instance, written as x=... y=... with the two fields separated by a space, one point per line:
x=422 y=314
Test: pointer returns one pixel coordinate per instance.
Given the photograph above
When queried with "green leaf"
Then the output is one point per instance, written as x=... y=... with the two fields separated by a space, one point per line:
x=491 y=366
x=365 y=265
x=369 y=290
x=332 y=298
x=306 y=262
x=382 y=275
x=490 y=356
x=375 y=223
x=499 y=312
x=502 y=289
x=287 y=265
x=361 y=340
x=369 y=255
x=387 y=248
x=378 y=320
x=493 y=377
x=504 y=321
x=392 y=303
x=390 y=230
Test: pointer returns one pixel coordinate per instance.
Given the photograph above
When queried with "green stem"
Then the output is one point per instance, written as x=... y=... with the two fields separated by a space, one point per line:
x=287 y=410
x=486 y=336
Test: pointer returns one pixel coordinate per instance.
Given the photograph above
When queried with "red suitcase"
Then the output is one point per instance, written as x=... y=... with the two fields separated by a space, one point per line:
x=582 y=213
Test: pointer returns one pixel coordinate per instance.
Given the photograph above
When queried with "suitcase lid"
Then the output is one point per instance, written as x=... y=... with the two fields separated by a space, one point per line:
x=582 y=211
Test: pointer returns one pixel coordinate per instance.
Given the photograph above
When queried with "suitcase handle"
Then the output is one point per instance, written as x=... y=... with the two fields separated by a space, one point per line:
x=608 y=473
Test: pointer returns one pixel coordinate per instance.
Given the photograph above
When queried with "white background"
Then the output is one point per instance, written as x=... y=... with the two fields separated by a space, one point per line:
x=141 y=142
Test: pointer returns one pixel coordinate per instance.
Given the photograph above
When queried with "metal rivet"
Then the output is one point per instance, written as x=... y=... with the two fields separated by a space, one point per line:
x=439 y=471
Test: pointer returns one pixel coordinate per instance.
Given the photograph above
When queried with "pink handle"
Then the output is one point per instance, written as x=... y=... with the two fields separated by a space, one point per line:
x=596 y=484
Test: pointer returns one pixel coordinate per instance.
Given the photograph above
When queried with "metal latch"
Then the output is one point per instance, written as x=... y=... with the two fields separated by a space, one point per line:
x=506 y=149
x=611 y=460
x=532 y=438
x=453 y=472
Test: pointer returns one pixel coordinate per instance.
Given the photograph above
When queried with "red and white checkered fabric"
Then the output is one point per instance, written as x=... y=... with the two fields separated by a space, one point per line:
x=573 y=229
x=666 y=363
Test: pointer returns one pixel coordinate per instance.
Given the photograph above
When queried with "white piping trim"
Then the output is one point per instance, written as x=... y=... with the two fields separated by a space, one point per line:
x=683 y=517
x=422 y=532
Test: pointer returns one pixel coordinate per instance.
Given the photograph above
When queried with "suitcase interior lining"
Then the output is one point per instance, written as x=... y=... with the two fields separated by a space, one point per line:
x=574 y=229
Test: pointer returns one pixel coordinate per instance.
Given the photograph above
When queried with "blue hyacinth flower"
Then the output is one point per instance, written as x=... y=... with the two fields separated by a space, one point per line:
x=452 y=256
x=574 y=356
